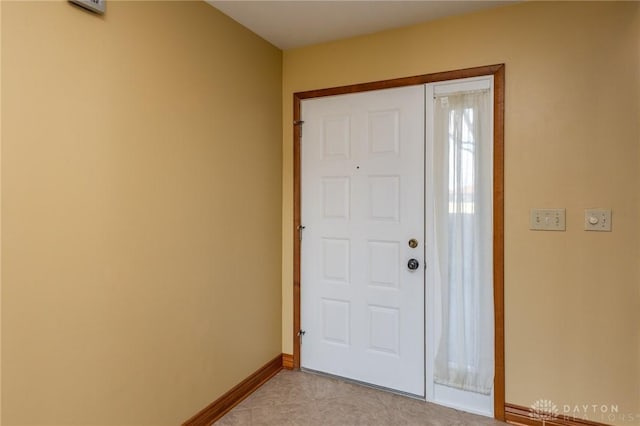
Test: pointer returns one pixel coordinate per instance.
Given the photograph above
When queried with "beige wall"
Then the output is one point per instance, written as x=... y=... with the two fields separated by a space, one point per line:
x=1 y=214
x=141 y=199
x=572 y=141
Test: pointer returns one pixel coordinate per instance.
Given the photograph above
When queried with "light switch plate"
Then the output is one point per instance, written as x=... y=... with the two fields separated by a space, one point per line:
x=96 y=6
x=597 y=220
x=547 y=220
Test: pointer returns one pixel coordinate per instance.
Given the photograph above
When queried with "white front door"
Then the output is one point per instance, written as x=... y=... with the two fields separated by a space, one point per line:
x=363 y=208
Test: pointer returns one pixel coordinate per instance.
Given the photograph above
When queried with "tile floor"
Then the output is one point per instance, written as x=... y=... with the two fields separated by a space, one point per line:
x=299 y=398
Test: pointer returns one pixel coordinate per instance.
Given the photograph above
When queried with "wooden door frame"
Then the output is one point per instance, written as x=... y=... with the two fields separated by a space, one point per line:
x=498 y=73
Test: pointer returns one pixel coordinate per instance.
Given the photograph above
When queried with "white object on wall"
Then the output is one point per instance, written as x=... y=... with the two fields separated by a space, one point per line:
x=597 y=220
x=547 y=220
x=96 y=6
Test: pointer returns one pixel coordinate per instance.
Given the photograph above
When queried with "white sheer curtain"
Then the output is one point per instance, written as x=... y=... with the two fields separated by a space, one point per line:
x=463 y=214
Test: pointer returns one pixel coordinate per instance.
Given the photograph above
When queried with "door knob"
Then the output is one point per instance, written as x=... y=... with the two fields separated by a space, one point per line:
x=413 y=264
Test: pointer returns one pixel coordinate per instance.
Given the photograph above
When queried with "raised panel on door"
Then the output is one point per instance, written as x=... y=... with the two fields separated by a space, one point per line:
x=362 y=179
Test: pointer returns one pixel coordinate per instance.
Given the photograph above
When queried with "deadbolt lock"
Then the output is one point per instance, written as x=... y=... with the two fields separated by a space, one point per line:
x=413 y=243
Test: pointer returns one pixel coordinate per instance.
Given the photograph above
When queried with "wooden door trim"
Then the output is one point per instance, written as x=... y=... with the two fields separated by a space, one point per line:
x=498 y=72
x=221 y=406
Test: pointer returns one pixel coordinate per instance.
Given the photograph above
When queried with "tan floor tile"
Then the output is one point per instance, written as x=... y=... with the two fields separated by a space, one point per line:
x=305 y=399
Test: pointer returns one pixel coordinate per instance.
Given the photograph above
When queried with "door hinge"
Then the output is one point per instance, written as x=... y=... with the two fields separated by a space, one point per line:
x=299 y=123
x=300 y=229
x=300 y=334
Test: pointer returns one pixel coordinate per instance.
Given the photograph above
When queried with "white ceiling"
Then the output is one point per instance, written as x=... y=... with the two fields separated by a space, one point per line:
x=291 y=24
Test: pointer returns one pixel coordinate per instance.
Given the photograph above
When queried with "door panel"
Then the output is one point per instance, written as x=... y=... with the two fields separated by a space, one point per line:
x=362 y=201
